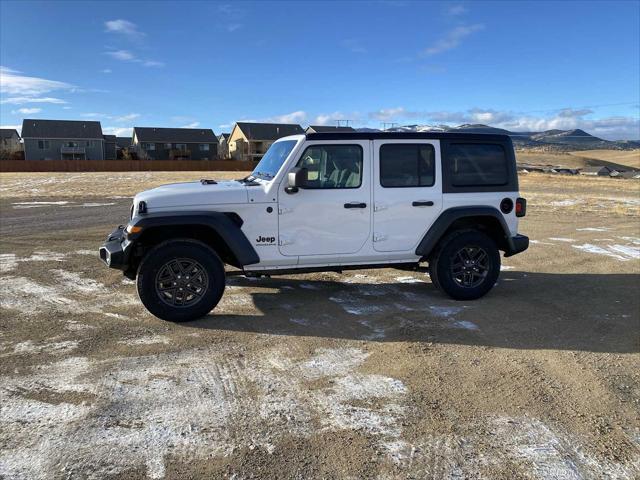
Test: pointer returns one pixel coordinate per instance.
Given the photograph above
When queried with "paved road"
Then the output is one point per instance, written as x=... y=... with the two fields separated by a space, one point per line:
x=20 y=217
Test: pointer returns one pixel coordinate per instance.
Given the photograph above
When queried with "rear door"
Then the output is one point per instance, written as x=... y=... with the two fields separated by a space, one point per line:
x=407 y=191
x=332 y=216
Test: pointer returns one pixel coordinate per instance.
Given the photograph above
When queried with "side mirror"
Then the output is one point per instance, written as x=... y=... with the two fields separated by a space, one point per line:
x=297 y=178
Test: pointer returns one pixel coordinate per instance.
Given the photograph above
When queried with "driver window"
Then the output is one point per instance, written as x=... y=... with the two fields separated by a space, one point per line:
x=332 y=166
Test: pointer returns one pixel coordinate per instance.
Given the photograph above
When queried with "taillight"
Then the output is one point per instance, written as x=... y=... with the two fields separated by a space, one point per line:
x=521 y=207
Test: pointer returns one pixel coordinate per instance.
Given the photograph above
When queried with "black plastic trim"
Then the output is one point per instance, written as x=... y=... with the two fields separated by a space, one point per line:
x=446 y=219
x=482 y=137
x=220 y=222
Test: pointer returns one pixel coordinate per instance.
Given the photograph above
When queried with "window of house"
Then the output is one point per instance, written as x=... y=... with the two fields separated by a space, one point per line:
x=181 y=146
x=149 y=146
x=89 y=143
x=167 y=146
x=43 y=144
x=407 y=165
x=204 y=147
x=476 y=164
x=333 y=166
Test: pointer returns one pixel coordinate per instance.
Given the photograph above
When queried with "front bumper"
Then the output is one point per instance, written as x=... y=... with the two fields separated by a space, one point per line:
x=517 y=244
x=115 y=252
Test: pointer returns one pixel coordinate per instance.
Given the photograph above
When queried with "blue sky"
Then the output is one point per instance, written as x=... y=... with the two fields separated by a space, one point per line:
x=518 y=65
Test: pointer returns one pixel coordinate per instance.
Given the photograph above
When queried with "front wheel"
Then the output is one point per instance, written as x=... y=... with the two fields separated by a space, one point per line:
x=467 y=265
x=180 y=280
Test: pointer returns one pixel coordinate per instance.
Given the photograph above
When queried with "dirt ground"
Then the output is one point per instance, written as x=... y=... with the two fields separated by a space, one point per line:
x=369 y=374
x=617 y=159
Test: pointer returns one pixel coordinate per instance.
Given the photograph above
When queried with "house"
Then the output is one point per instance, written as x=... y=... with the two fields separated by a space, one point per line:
x=123 y=142
x=109 y=147
x=174 y=143
x=223 y=145
x=62 y=140
x=600 y=170
x=9 y=141
x=250 y=141
x=327 y=129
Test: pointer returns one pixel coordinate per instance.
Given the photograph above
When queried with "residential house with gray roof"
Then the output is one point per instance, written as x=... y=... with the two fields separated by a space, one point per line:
x=250 y=141
x=9 y=140
x=62 y=140
x=156 y=143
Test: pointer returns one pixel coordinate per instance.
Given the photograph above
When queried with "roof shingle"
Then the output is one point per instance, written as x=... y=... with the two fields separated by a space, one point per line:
x=71 y=129
x=269 y=131
x=175 y=135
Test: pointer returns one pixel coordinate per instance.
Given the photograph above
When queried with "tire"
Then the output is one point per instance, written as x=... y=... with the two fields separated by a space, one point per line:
x=451 y=273
x=180 y=280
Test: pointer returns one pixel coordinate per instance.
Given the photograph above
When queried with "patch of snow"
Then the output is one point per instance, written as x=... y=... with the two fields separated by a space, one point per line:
x=8 y=262
x=147 y=340
x=562 y=239
x=309 y=286
x=28 y=347
x=566 y=203
x=300 y=321
x=593 y=229
x=408 y=280
x=627 y=251
x=622 y=255
x=465 y=325
x=29 y=297
x=44 y=256
x=538 y=242
x=355 y=306
x=86 y=252
x=95 y=204
x=38 y=204
x=445 y=312
x=506 y=267
x=74 y=281
x=634 y=240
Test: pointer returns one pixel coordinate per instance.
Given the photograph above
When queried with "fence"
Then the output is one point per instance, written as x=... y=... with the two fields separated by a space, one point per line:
x=124 y=165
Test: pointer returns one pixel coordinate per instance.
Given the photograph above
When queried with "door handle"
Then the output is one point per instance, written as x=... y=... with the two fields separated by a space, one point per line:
x=421 y=203
x=355 y=205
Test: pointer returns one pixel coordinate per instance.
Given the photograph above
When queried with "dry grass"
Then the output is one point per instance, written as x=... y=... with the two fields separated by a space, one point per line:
x=621 y=159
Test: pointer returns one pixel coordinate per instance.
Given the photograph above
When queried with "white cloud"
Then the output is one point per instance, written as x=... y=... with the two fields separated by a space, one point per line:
x=453 y=38
x=118 y=131
x=293 y=117
x=232 y=27
x=457 y=9
x=191 y=125
x=123 y=27
x=123 y=55
x=153 y=63
x=127 y=118
x=354 y=45
x=66 y=108
x=107 y=70
x=23 y=100
x=12 y=82
x=26 y=111
x=386 y=114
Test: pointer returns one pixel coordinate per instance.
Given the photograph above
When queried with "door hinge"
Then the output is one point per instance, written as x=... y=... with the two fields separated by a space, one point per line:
x=379 y=237
x=283 y=210
x=378 y=206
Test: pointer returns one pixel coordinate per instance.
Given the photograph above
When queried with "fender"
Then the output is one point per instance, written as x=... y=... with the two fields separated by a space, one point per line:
x=446 y=219
x=226 y=228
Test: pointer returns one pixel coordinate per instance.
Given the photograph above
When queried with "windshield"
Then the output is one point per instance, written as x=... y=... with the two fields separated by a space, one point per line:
x=273 y=159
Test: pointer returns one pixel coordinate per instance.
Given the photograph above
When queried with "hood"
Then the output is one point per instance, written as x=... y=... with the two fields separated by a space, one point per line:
x=193 y=194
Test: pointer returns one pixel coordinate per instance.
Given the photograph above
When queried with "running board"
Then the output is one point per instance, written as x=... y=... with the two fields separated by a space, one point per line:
x=413 y=267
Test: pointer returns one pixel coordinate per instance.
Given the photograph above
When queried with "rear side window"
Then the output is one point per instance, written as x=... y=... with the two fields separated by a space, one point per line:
x=476 y=164
x=407 y=165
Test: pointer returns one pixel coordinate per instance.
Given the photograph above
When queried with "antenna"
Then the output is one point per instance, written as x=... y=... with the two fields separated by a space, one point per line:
x=342 y=122
x=390 y=125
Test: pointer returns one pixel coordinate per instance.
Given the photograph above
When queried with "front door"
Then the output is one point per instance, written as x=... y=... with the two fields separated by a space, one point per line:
x=332 y=215
x=407 y=192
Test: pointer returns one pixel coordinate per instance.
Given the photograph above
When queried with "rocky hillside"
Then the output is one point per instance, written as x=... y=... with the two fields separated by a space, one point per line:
x=549 y=140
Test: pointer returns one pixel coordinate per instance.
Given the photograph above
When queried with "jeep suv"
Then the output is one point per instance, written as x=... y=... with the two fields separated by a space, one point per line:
x=329 y=202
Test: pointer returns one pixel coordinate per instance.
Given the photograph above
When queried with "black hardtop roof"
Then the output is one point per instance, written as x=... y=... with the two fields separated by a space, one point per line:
x=482 y=137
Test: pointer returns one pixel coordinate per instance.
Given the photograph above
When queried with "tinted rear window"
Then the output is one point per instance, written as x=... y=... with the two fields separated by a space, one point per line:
x=476 y=164
x=407 y=165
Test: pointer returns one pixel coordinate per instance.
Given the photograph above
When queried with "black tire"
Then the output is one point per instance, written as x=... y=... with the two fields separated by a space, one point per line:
x=451 y=273
x=180 y=280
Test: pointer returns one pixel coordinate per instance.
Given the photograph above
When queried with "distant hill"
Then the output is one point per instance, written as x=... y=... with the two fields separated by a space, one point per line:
x=549 y=140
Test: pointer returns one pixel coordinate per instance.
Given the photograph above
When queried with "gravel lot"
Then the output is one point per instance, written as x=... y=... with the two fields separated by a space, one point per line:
x=370 y=374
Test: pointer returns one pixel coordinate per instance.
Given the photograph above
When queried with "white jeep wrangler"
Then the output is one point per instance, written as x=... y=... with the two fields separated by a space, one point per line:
x=329 y=202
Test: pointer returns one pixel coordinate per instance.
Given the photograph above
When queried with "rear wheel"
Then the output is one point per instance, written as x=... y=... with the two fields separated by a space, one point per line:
x=466 y=265
x=180 y=280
